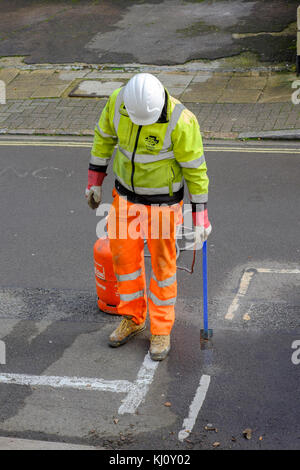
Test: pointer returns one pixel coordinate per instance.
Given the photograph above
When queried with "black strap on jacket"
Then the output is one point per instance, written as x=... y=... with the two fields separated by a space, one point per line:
x=149 y=199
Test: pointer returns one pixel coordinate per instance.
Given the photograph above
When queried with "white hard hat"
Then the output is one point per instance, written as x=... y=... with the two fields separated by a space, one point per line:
x=144 y=98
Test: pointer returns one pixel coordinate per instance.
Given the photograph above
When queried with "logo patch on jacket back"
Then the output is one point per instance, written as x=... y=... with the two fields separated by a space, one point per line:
x=151 y=141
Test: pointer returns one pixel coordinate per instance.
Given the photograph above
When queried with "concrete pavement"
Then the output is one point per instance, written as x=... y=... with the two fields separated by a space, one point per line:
x=11 y=443
x=68 y=100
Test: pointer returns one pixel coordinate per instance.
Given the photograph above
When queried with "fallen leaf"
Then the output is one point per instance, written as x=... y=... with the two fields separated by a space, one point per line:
x=247 y=433
x=260 y=438
x=167 y=403
x=116 y=420
x=216 y=444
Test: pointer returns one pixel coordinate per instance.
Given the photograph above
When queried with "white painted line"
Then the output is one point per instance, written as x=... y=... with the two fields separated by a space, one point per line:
x=136 y=391
x=195 y=407
x=243 y=288
x=278 y=271
x=244 y=285
x=140 y=387
x=246 y=317
x=79 y=383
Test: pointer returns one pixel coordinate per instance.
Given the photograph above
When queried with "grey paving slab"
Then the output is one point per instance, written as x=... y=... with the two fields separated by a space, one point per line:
x=10 y=443
x=80 y=114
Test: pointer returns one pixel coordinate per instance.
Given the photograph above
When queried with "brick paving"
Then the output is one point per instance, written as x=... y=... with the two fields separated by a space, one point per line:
x=218 y=118
x=78 y=116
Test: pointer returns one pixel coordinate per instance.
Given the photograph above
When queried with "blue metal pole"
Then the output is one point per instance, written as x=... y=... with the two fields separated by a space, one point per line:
x=204 y=275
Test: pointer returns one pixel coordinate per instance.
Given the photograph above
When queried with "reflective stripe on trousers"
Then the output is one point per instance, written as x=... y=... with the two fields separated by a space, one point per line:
x=128 y=261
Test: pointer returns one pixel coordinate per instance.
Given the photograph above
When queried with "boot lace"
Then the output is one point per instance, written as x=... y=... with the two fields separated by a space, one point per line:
x=125 y=324
x=159 y=340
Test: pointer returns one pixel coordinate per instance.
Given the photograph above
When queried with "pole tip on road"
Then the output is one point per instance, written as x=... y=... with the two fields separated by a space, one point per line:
x=206 y=339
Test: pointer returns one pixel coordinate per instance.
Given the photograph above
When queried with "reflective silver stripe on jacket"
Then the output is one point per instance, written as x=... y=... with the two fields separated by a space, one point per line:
x=133 y=296
x=161 y=303
x=148 y=191
x=129 y=277
x=179 y=107
x=99 y=160
x=104 y=134
x=198 y=198
x=166 y=282
x=117 y=114
x=147 y=158
x=194 y=163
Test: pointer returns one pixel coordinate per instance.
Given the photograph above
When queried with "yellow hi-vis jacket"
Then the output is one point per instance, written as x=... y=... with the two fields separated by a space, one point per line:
x=154 y=159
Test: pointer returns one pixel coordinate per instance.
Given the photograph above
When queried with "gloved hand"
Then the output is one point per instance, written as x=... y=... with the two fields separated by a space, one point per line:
x=93 y=190
x=93 y=195
x=202 y=227
x=202 y=233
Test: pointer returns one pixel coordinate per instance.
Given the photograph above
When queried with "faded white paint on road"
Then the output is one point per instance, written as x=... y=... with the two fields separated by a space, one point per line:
x=242 y=291
x=140 y=387
x=136 y=392
x=195 y=407
x=244 y=286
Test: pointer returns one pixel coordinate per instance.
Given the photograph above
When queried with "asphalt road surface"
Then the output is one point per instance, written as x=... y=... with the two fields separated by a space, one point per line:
x=147 y=32
x=61 y=382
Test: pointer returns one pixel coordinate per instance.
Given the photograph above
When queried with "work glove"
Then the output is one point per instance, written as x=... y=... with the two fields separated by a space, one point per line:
x=202 y=226
x=93 y=190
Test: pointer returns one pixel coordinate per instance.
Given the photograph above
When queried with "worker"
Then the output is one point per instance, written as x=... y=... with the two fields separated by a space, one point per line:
x=158 y=147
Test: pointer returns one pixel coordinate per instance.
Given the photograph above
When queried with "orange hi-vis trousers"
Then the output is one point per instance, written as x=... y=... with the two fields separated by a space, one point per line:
x=128 y=226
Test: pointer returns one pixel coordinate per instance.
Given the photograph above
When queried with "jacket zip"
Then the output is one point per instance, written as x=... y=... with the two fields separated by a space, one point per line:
x=133 y=155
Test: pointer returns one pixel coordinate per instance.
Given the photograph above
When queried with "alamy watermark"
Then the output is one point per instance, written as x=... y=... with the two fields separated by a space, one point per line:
x=2 y=92
x=2 y=353
x=296 y=354
x=295 y=95
x=157 y=222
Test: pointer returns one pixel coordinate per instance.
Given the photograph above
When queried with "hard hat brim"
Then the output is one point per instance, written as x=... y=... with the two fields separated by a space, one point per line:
x=144 y=122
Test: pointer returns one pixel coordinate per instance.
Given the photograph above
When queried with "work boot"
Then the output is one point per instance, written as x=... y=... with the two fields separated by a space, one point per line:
x=126 y=330
x=159 y=347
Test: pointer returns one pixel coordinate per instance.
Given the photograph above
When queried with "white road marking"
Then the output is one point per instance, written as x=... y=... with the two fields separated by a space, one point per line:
x=136 y=391
x=40 y=173
x=246 y=317
x=140 y=387
x=79 y=383
x=20 y=175
x=243 y=288
x=278 y=271
x=195 y=407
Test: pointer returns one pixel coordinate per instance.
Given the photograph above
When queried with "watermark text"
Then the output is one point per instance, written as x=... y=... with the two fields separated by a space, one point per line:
x=296 y=354
x=2 y=92
x=2 y=353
